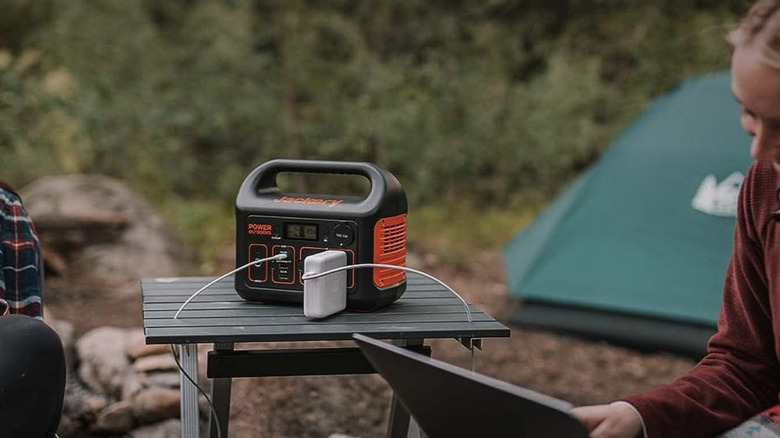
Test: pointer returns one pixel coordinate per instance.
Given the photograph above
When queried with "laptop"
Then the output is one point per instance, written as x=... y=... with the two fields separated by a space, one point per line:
x=449 y=401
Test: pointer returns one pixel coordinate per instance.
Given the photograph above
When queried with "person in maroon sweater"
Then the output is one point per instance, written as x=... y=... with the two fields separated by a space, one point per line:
x=740 y=375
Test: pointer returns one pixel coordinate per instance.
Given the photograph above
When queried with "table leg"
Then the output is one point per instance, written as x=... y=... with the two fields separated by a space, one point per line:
x=220 y=396
x=400 y=423
x=188 y=354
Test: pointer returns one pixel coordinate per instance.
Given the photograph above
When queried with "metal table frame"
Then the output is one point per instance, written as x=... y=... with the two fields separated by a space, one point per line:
x=220 y=317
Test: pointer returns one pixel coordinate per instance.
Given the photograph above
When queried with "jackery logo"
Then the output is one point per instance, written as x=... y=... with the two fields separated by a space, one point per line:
x=330 y=203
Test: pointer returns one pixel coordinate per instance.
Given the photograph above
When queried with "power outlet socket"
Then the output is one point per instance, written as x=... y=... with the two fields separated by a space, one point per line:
x=325 y=295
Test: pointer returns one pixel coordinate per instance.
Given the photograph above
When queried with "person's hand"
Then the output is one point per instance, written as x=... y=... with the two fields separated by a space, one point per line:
x=616 y=420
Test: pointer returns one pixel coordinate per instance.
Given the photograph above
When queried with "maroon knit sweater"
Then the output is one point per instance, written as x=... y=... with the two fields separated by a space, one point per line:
x=740 y=376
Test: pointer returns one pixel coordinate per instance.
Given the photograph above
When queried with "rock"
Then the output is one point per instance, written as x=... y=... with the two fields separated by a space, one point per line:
x=155 y=404
x=104 y=364
x=68 y=426
x=132 y=386
x=121 y=237
x=165 y=379
x=146 y=390
x=139 y=351
x=115 y=419
x=81 y=404
x=159 y=362
x=137 y=347
x=66 y=332
x=165 y=429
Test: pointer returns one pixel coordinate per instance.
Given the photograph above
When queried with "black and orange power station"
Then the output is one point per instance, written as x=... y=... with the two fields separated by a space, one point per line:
x=369 y=229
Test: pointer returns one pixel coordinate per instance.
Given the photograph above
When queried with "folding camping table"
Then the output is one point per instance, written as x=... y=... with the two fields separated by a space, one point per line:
x=220 y=317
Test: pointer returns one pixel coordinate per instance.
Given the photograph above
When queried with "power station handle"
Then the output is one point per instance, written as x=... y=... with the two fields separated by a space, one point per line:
x=263 y=179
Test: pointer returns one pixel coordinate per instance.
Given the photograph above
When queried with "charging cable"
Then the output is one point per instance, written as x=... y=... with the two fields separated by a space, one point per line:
x=307 y=276
x=311 y=275
x=256 y=263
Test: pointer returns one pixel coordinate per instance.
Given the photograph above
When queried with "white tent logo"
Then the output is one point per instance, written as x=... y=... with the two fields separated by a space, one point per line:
x=718 y=199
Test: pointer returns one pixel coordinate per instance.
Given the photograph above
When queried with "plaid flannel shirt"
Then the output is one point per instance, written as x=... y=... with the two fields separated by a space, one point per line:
x=21 y=279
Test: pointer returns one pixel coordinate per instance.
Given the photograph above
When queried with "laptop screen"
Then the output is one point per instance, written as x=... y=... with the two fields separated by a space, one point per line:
x=448 y=401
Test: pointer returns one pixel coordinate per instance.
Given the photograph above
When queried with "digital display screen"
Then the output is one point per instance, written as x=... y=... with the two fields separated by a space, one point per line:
x=300 y=231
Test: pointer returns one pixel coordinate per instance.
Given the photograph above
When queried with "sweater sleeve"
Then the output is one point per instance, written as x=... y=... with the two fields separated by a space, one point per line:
x=740 y=375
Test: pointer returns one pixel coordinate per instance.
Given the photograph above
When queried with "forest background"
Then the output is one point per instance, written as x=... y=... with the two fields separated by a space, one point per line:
x=483 y=109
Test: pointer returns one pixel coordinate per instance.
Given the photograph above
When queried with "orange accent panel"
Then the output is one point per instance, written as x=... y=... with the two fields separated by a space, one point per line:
x=390 y=249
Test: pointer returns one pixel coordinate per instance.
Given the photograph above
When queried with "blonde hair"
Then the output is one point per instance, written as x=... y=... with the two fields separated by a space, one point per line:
x=761 y=27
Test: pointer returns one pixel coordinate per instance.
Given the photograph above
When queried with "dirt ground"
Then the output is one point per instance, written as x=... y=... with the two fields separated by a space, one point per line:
x=580 y=371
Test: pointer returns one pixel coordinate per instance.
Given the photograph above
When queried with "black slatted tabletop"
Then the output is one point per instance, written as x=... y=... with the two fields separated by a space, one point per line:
x=426 y=310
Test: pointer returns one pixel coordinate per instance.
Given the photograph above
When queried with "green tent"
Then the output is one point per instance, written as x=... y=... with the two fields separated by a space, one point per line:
x=635 y=250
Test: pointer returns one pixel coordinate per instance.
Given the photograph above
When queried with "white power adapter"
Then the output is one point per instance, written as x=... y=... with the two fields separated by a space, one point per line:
x=326 y=295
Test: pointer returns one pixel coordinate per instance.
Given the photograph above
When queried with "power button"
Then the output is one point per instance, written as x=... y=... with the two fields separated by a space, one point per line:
x=343 y=235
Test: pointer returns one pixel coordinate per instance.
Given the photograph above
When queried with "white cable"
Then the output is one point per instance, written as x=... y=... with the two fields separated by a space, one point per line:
x=309 y=276
x=255 y=262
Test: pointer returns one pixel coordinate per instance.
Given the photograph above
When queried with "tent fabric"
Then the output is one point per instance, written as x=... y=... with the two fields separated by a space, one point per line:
x=646 y=233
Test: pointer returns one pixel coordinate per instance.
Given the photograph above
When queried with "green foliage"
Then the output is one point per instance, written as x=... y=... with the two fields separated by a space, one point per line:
x=468 y=101
x=456 y=232
x=20 y=18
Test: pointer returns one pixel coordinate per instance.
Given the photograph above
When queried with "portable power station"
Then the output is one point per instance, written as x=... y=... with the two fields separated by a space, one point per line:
x=369 y=229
